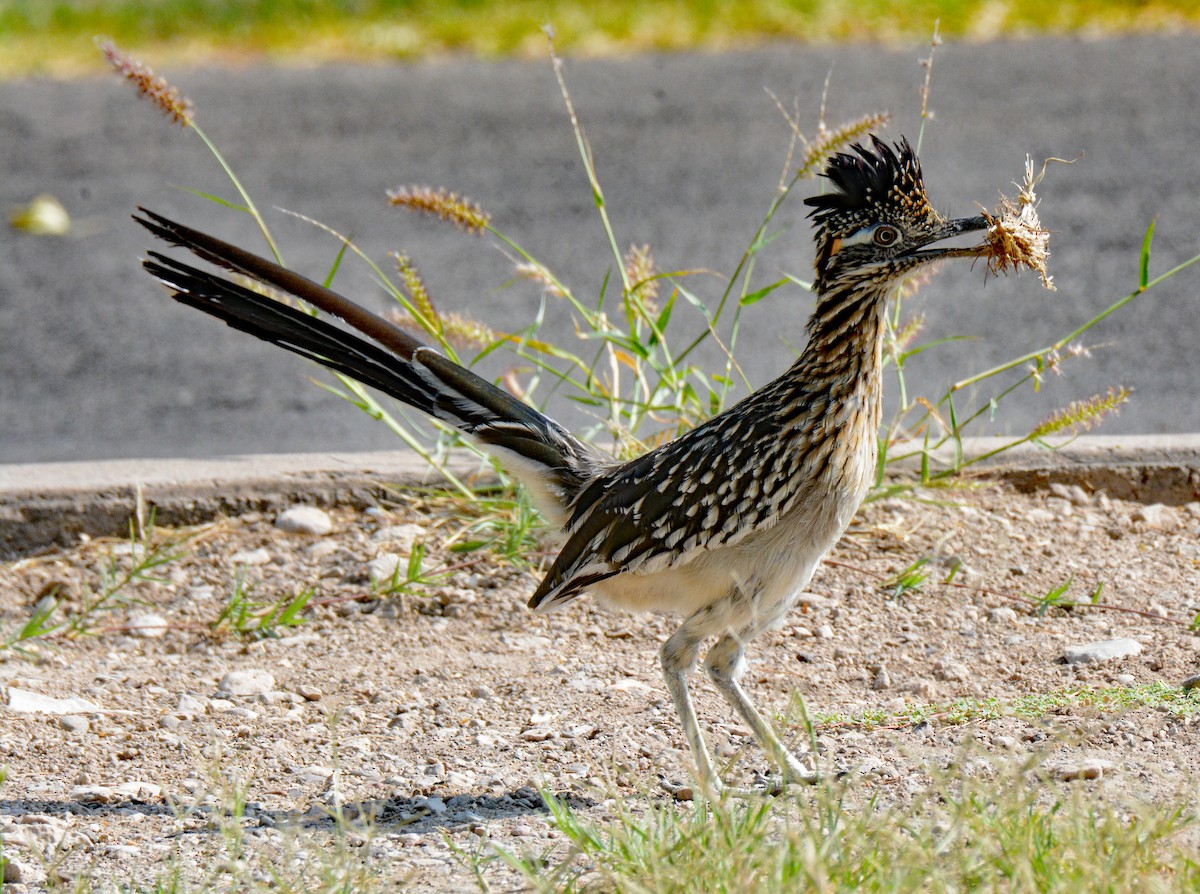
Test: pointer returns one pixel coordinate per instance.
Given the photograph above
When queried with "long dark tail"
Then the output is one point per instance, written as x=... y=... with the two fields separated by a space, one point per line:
x=551 y=461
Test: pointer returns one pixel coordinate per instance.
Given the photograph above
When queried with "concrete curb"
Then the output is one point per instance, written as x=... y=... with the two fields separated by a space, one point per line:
x=52 y=503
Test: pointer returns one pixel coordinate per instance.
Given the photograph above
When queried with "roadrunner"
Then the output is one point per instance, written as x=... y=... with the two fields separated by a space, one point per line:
x=723 y=526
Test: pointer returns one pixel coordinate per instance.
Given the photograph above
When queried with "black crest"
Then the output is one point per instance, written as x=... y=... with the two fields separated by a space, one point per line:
x=869 y=179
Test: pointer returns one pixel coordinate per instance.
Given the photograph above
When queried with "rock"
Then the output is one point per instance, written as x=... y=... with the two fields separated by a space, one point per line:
x=824 y=632
x=1002 y=615
x=1191 y=682
x=251 y=557
x=149 y=625
x=537 y=734
x=1125 y=679
x=309 y=693
x=402 y=537
x=28 y=702
x=382 y=568
x=1103 y=650
x=191 y=706
x=138 y=791
x=93 y=794
x=252 y=681
x=1060 y=507
x=882 y=680
x=1093 y=768
x=1072 y=492
x=73 y=723
x=436 y=806
x=316 y=773
x=952 y=671
x=629 y=684
x=322 y=548
x=15 y=872
x=1156 y=515
x=305 y=520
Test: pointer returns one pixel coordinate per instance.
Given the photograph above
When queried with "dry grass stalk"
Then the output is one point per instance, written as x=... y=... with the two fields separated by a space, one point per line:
x=154 y=87
x=1016 y=237
x=445 y=204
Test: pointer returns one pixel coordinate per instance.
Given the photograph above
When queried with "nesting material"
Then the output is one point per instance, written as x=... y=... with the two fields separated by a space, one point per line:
x=1016 y=237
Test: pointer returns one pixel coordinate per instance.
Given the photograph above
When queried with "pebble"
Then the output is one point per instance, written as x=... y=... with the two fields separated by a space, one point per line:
x=314 y=774
x=15 y=872
x=309 y=693
x=401 y=536
x=149 y=625
x=1125 y=679
x=824 y=632
x=252 y=681
x=435 y=806
x=304 y=520
x=93 y=794
x=952 y=671
x=1103 y=650
x=251 y=557
x=1002 y=615
x=1088 y=769
x=1072 y=492
x=74 y=723
x=382 y=568
x=883 y=679
x=190 y=705
x=319 y=549
x=1156 y=515
x=629 y=684
x=138 y=791
x=27 y=702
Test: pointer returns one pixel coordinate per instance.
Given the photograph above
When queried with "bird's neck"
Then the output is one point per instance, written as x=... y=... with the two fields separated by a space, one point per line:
x=844 y=353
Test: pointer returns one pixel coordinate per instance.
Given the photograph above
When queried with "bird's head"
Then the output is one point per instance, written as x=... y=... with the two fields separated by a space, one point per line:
x=876 y=223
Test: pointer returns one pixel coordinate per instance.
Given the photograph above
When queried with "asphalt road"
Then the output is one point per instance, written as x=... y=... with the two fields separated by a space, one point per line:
x=96 y=363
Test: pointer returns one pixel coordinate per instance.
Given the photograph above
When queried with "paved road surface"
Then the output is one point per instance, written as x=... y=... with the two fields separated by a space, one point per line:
x=94 y=362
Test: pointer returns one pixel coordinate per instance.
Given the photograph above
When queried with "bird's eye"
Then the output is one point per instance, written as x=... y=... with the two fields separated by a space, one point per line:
x=886 y=235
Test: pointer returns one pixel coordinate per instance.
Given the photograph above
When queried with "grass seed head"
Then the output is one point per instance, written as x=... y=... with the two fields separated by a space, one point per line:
x=457 y=329
x=445 y=204
x=536 y=272
x=152 y=86
x=640 y=272
x=1015 y=236
x=1082 y=414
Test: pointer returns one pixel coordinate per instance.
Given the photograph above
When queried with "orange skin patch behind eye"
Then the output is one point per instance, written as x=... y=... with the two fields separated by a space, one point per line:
x=835 y=246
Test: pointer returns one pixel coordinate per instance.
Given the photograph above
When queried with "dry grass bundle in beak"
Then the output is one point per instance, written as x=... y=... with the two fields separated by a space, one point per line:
x=1015 y=236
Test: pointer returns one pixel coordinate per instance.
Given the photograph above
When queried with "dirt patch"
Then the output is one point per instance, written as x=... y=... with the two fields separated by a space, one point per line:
x=440 y=710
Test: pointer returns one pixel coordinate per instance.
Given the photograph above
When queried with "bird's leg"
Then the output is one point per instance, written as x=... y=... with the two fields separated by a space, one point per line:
x=678 y=657
x=724 y=664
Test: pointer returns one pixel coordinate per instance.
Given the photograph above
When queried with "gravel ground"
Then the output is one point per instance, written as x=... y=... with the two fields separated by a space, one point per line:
x=440 y=711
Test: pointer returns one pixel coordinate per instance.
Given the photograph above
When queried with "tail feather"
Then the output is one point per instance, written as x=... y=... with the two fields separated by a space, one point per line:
x=552 y=462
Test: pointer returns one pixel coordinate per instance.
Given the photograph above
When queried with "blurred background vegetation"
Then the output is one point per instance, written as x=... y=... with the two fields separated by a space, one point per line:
x=56 y=37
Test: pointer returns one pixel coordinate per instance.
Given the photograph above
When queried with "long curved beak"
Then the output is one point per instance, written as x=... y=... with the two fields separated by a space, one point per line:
x=949 y=230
